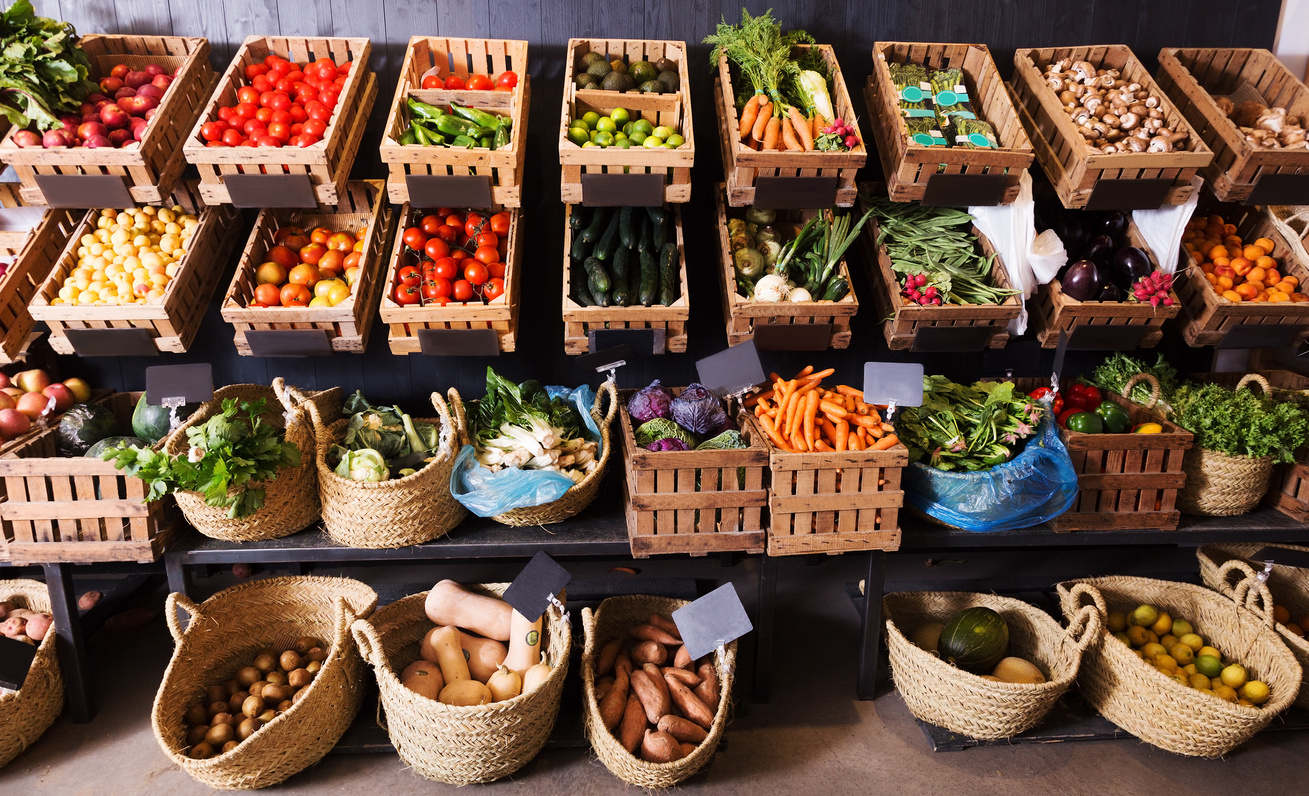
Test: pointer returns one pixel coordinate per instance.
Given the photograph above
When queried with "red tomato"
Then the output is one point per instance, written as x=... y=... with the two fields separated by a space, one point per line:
x=415 y=239
x=281 y=116
x=500 y=224
x=454 y=220
x=479 y=83
x=487 y=239
x=285 y=85
x=247 y=94
x=297 y=112
x=293 y=295
x=253 y=126
x=264 y=115
x=325 y=68
x=283 y=233
x=429 y=224
x=225 y=114
x=320 y=112
x=432 y=81
x=458 y=255
x=442 y=212
x=265 y=97
x=407 y=294
x=475 y=272
x=262 y=84
x=280 y=131
x=213 y=131
x=315 y=127
x=472 y=224
x=454 y=82
x=461 y=290
x=303 y=141
x=268 y=294
x=280 y=102
x=320 y=235
x=494 y=289
x=447 y=233
x=436 y=248
x=446 y=268
x=509 y=79
x=409 y=275
x=496 y=270
x=233 y=137
x=487 y=254
x=255 y=70
x=312 y=253
x=435 y=288
x=246 y=110
x=329 y=97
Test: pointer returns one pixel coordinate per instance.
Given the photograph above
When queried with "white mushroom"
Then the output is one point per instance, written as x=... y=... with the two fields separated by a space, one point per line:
x=1160 y=143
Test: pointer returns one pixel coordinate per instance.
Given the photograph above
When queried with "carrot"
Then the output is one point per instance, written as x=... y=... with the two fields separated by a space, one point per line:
x=822 y=374
x=854 y=443
x=808 y=369
x=771 y=430
x=773 y=133
x=820 y=445
x=757 y=397
x=842 y=435
x=832 y=409
x=861 y=433
x=748 y=115
x=810 y=417
x=792 y=414
x=888 y=441
x=888 y=428
x=761 y=120
x=868 y=422
x=819 y=124
x=789 y=140
x=844 y=390
x=802 y=130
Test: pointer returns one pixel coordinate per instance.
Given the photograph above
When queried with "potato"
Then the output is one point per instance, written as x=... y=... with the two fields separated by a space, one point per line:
x=38 y=626
x=88 y=600
x=660 y=747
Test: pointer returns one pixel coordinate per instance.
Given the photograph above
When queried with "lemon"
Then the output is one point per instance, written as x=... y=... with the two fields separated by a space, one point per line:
x=1181 y=653
x=1151 y=637
x=1234 y=676
x=1181 y=627
x=1196 y=644
x=1154 y=650
x=1145 y=615
x=1123 y=638
x=1162 y=625
x=1215 y=683
x=1181 y=679
x=1255 y=691
x=1169 y=641
x=1190 y=669
x=1207 y=650
x=1136 y=635
x=1245 y=702
x=1225 y=692
x=1165 y=663
x=1117 y=621
x=1199 y=682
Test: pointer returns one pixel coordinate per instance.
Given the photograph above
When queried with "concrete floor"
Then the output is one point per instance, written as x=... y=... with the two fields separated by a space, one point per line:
x=812 y=737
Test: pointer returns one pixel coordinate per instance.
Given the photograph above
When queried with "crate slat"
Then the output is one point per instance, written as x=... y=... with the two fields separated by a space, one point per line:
x=908 y=168
x=34 y=256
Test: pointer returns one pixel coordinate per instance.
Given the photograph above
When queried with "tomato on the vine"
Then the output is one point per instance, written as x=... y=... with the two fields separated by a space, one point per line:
x=415 y=239
x=409 y=276
x=407 y=294
x=429 y=224
x=447 y=233
x=436 y=248
x=458 y=254
x=475 y=272
x=472 y=223
x=496 y=269
x=487 y=254
x=493 y=289
x=446 y=268
x=462 y=290
x=487 y=239
x=500 y=224
x=435 y=288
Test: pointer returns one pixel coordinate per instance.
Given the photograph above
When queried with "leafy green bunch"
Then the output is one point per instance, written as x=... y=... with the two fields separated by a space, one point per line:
x=228 y=454
x=960 y=427
x=1114 y=373
x=525 y=406
x=761 y=50
x=1240 y=422
x=42 y=70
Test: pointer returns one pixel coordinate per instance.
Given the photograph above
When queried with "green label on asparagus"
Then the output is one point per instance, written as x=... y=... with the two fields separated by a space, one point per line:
x=977 y=139
x=913 y=94
x=948 y=98
x=925 y=139
x=918 y=112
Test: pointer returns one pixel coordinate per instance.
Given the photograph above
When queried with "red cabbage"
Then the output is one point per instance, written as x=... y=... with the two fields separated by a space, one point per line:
x=668 y=444
x=699 y=411
x=650 y=403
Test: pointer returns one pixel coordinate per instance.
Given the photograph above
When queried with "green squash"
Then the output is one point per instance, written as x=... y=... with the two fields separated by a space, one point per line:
x=151 y=423
x=974 y=639
x=112 y=442
x=82 y=426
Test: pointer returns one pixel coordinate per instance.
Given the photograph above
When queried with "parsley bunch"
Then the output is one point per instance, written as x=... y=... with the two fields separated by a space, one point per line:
x=1240 y=422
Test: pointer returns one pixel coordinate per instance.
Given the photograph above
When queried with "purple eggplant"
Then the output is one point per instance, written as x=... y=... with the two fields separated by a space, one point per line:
x=1073 y=230
x=1100 y=250
x=1131 y=265
x=1081 y=281
x=1114 y=224
x=1110 y=292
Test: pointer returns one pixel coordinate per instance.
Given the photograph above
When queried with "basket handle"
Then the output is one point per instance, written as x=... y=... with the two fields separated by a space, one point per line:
x=1225 y=570
x=322 y=438
x=460 y=416
x=1085 y=627
x=607 y=388
x=1148 y=379
x=178 y=600
x=366 y=638
x=1081 y=590
x=1256 y=379
x=449 y=425
x=1250 y=592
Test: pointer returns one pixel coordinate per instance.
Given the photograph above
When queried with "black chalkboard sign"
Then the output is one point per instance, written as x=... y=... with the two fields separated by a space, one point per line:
x=459 y=342
x=794 y=193
x=622 y=190
x=448 y=190
x=540 y=580
x=15 y=660
x=289 y=343
x=965 y=190
x=85 y=190
x=792 y=336
x=113 y=342
x=1280 y=189
x=270 y=190
x=1129 y=194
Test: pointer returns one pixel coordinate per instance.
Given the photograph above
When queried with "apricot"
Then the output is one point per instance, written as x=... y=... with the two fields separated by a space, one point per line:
x=1232 y=295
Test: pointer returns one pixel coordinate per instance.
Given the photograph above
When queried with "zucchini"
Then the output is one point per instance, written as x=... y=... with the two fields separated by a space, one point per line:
x=580 y=249
x=626 y=230
x=578 y=217
x=649 y=290
x=604 y=248
x=620 y=269
x=668 y=275
x=591 y=233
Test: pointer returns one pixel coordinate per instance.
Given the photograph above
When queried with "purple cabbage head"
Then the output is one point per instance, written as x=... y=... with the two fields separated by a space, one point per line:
x=699 y=411
x=649 y=403
x=668 y=444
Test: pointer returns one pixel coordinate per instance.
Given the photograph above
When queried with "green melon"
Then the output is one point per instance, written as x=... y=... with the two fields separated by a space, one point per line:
x=975 y=639
x=151 y=423
x=112 y=442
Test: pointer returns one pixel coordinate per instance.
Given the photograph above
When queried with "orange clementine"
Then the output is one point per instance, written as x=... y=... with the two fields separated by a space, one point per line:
x=1265 y=244
x=1232 y=295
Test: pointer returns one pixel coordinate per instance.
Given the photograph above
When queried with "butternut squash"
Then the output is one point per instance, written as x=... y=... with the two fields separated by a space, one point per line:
x=423 y=678
x=465 y=693
x=449 y=656
x=448 y=603
x=633 y=727
x=524 y=643
x=484 y=655
x=535 y=676
x=505 y=684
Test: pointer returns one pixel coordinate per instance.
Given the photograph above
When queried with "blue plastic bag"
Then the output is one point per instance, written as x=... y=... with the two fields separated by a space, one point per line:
x=487 y=494
x=1037 y=485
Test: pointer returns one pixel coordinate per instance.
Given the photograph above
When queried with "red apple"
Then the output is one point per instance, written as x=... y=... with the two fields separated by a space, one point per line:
x=34 y=380
x=154 y=70
x=137 y=79
x=5 y=381
x=6 y=401
x=120 y=70
x=138 y=105
x=61 y=394
x=161 y=82
x=124 y=92
x=178 y=71
x=27 y=138
x=95 y=99
x=13 y=423
x=33 y=404
x=119 y=137
x=56 y=139
x=110 y=84
x=90 y=129
x=150 y=90
x=81 y=390
x=96 y=142
x=13 y=392
x=114 y=117
x=150 y=114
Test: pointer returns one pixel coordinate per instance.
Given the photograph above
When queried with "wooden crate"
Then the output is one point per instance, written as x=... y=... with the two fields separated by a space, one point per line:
x=325 y=164
x=742 y=314
x=501 y=314
x=1191 y=76
x=908 y=167
x=673 y=110
x=152 y=167
x=1072 y=167
x=79 y=510
x=173 y=322
x=1124 y=481
x=1053 y=311
x=746 y=164
x=695 y=502
x=580 y=321
x=903 y=319
x=1207 y=317
x=33 y=255
x=831 y=502
x=462 y=57
x=347 y=324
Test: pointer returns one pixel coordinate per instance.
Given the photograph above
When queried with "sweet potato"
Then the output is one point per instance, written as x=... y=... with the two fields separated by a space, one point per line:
x=683 y=730
x=602 y=687
x=689 y=703
x=687 y=749
x=666 y=624
x=654 y=696
x=633 y=727
x=690 y=678
x=707 y=691
x=660 y=747
x=608 y=655
x=652 y=633
x=614 y=703
x=682 y=660
x=650 y=652
x=623 y=664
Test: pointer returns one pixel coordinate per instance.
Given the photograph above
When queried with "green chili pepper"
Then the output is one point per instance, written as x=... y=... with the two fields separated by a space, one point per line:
x=425 y=111
x=501 y=139
x=479 y=117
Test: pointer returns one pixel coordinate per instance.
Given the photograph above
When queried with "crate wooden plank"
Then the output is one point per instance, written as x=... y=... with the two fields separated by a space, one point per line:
x=347 y=324
x=153 y=166
x=34 y=255
x=908 y=167
x=172 y=322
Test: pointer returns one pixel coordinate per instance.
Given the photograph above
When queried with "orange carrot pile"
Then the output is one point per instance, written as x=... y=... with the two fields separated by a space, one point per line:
x=799 y=415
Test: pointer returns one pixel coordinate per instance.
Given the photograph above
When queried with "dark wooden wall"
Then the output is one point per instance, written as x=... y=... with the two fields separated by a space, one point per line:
x=851 y=27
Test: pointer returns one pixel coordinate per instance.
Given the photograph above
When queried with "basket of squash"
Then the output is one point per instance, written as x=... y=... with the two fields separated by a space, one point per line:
x=469 y=686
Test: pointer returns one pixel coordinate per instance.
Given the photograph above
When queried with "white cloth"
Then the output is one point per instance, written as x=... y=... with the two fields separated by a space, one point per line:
x=1011 y=229
x=1163 y=228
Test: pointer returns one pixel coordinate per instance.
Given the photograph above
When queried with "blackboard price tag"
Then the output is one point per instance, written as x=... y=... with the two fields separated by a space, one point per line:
x=1282 y=556
x=641 y=342
x=1231 y=360
x=459 y=342
x=607 y=359
x=270 y=190
x=792 y=336
x=448 y=190
x=540 y=581
x=1147 y=194
x=289 y=343
x=794 y=193
x=1106 y=338
x=732 y=371
x=1280 y=189
x=191 y=384
x=15 y=660
x=113 y=342
x=85 y=190
x=898 y=383
x=940 y=339
x=622 y=190
x=965 y=190
x=713 y=621
x=1260 y=335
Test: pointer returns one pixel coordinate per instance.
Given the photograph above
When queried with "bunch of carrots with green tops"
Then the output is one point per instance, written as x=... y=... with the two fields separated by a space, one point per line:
x=801 y=415
x=791 y=106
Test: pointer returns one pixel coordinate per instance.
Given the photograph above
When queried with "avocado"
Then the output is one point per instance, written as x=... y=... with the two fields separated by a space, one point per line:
x=665 y=65
x=590 y=58
x=617 y=65
x=598 y=70
x=614 y=81
x=651 y=87
x=670 y=80
x=641 y=71
x=584 y=80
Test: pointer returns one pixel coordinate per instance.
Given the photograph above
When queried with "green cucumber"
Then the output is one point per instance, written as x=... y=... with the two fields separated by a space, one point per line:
x=598 y=281
x=658 y=215
x=626 y=229
x=591 y=233
x=620 y=269
x=660 y=230
x=668 y=275
x=578 y=217
x=649 y=291
x=647 y=237
x=580 y=248
x=604 y=248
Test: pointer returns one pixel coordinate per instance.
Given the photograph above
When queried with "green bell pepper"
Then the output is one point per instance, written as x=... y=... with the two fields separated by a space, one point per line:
x=1086 y=423
x=1116 y=420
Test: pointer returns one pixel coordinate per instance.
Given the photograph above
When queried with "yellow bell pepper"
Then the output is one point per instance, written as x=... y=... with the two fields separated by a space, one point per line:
x=1148 y=428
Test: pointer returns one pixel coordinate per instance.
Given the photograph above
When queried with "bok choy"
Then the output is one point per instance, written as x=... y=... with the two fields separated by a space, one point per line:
x=521 y=426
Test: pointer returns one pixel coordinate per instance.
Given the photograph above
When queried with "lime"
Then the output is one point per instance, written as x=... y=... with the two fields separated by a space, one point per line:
x=1181 y=627
x=642 y=126
x=627 y=128
x=1145 y=615
x=605 y=125
x=1182 y=654
x=582 y=123
x=1208 y=665
x=604 y=138
x=620 y=136
x=675 y=141
x=578 y=135
x=663 y=131
x=1117 y=621
x=637 y=137
x=590 y=117
x=1255 y=691
x=623 y=143
x=653 y=141
x=1234 y=676
x=620 y=115
x=587 y=144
